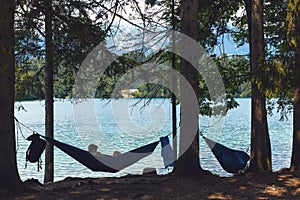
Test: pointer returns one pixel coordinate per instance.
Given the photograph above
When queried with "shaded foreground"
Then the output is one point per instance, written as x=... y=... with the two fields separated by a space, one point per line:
x=279 y=185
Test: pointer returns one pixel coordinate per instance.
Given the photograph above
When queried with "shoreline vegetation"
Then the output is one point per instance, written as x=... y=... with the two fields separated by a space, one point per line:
x=142 y=98
x=126 y=96
x=282 y=184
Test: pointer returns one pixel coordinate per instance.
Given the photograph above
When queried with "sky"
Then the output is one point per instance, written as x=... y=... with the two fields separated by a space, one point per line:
x=230 y=47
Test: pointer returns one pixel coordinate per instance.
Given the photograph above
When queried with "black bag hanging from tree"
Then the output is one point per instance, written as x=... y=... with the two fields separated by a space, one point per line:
x=35 y=149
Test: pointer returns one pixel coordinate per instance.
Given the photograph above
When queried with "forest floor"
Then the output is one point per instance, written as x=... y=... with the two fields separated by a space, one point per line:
x=277 y=185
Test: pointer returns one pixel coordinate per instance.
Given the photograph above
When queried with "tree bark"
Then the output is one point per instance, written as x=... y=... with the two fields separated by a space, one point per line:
x=188 y=163
x=295 y=160
x=173 y=97
x=260 y=141
x=10 y=178
x=49 y=118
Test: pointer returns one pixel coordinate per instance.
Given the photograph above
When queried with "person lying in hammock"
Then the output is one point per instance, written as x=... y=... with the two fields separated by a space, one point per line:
x=93 y=150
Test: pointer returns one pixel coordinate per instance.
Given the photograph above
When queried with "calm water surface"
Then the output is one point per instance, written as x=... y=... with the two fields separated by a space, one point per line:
x=127 y=123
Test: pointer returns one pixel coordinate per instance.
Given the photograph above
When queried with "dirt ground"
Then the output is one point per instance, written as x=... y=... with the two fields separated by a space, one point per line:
x=279 y=185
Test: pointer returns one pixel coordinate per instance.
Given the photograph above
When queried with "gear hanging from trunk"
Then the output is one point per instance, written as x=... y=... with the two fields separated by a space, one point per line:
x=35 y=150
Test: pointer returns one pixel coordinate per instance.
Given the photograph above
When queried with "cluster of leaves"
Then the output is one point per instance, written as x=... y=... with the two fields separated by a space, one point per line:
x=29 y=80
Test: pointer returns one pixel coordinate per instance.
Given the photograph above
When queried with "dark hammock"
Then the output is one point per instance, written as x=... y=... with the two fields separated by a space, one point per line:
x=104 y=163
x=231 y=160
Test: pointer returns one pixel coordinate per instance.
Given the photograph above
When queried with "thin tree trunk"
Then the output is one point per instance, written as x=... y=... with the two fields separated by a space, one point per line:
x=173 y=97
x=260 y=141
x=10 y=178
x=49 y=118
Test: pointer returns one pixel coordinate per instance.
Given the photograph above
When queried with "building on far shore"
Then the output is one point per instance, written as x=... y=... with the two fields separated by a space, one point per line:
x=128 y=93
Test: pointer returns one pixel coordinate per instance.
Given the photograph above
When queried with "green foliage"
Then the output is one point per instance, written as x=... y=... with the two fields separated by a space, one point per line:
x=275 y=26
x=114 y=72
x=152 y=91
x=75 y=34
x=293 y=22
x=284 y=76
x=234 y=71
x=29 y=80
x=235 y=75
x=214 y=17
x=106 y=86
x=279 y=56
x=244 y=90
x=276 y=79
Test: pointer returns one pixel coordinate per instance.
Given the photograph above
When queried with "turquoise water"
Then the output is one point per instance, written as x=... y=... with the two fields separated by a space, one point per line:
x=127 y=123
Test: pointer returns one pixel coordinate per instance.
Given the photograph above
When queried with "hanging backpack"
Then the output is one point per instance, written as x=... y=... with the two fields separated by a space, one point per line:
x=35 y=149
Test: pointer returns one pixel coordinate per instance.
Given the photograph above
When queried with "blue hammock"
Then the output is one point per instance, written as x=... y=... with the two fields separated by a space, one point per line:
x=104 y=163
x=231 y=160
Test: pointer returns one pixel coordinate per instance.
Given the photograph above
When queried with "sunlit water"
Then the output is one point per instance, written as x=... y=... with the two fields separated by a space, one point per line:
x=111 y=127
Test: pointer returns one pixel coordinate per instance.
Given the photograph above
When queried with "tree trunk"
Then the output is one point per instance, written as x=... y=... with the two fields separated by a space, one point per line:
x=173 y=97
x=49 y=118
x=10 y=178
x=295 y=161
x=260 y=141
x=188 y=163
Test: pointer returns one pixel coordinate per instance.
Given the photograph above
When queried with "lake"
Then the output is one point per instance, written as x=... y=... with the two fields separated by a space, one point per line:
x=126 y=124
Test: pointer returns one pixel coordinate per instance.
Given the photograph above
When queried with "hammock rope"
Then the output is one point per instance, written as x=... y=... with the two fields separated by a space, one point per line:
x=20 y=123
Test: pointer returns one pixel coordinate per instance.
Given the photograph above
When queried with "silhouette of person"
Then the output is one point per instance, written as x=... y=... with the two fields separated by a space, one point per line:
x=117 y=153
x=93 y=150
